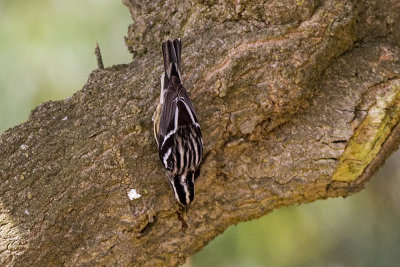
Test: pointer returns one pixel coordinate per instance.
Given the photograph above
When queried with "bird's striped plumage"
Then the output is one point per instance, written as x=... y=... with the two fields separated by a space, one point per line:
x=176 y=128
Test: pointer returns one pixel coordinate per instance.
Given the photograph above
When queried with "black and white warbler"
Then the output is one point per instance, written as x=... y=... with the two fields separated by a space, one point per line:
x=176 y=128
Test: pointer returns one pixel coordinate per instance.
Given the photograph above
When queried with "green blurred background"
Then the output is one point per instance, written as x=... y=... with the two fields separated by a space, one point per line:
x=46 y=53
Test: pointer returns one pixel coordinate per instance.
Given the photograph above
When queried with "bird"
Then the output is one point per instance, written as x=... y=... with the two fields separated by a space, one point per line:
x=176 y=127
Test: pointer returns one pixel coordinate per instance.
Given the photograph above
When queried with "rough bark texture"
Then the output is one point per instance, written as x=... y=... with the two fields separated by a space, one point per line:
x=298 y=100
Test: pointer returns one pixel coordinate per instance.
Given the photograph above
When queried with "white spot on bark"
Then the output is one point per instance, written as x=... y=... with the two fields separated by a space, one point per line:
x=23 y=147
x=132 y=194
x=65 y=118
x=26 y=212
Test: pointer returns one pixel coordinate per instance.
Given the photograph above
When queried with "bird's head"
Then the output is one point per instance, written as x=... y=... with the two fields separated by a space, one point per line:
x=183 y=186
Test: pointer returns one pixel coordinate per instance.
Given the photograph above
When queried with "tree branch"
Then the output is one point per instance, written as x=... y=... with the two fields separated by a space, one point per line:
x=297 y=103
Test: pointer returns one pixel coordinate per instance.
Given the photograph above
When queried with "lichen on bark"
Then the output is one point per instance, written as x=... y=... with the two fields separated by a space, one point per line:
x=367 y=139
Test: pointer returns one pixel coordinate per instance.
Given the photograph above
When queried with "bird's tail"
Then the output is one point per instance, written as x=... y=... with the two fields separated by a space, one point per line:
x=171 y=51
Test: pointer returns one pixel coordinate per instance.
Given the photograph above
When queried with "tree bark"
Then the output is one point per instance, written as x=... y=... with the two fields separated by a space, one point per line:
x=297 y=100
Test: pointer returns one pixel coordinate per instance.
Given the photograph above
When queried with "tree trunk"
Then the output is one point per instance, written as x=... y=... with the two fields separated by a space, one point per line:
x=297 y=100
